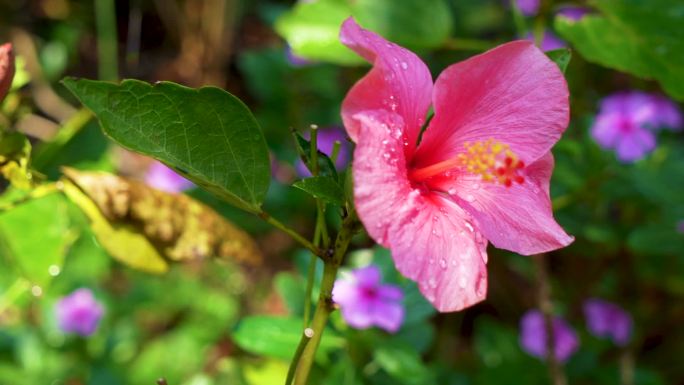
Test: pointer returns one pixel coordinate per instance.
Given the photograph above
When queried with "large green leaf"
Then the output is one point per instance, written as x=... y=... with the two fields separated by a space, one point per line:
x=206 y=134
x=642 y=37
x=35 y=235
x=278 y=337
x=312 y=28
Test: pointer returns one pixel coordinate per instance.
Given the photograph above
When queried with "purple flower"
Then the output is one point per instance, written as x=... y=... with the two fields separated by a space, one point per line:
x=549 y=41
x=667 y=113
x=365 y=302
x=606 y=319
x=533 y=336
x=572 y=12
x=627 y=121
x=164 y=178
x=79 y=312
x=680 y=227
x=528 y=7
x=326 y=140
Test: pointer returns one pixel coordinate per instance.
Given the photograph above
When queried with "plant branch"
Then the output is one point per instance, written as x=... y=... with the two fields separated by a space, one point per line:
x=325 y=304
x=546 y=307
x=292 y=233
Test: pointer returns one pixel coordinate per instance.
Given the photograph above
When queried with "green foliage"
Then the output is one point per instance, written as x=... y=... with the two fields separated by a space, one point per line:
x=278 y=337
x=323 y=187
x=642 y=37
x=312 y=28
x=207 y=134
x=404 y=364
x=35 y=246
x=561 y=57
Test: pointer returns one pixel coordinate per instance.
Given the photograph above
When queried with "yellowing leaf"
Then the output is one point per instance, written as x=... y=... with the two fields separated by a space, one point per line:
x=15 y=151
x=177 y=226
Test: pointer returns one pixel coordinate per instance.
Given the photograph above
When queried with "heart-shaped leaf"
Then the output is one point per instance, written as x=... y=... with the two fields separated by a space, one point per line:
x=206 y=134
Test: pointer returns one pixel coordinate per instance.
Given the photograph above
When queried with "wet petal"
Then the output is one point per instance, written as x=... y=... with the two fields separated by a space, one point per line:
x=513 y=94
x=431 y=240
x=399 y=82
x=516 y=218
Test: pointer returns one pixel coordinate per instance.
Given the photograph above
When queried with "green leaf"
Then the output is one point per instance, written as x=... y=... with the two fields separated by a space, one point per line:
x=403 y=363
x=322 y=187
x=15 y=153
x=205 y=134
x=561 y=57
x=278 y=337
x=35 y=235
x=641 y=37
x=326 y=167
x=312 y=28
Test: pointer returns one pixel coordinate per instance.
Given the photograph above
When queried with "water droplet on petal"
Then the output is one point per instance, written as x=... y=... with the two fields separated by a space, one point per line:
x=432 y=282
x=475 y=186
x=462 y=282
x=469 y=198
x=404 y=65
x=469 y=226
x=443 y=263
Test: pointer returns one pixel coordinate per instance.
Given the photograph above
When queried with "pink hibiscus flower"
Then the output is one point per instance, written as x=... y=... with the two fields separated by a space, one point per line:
x=6 y=69
x=481 y=171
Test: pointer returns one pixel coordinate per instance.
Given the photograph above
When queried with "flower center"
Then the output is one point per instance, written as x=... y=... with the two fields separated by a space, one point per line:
x=492 y=160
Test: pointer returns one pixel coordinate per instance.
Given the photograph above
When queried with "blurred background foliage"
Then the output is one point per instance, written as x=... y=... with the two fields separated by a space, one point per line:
x=215 y=322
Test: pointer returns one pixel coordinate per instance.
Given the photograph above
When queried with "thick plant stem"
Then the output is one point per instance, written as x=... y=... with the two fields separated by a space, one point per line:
x=325 y=304
x=546 y=307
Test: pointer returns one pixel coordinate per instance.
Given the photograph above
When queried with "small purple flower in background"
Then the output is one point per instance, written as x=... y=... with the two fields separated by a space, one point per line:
x=365 y=301
x=667 y=113
x=164 y=178
x=549 y=41
x=528 y=7
x=326 y=140
x=627 y=121
x=533 y=336
x=608 y=320
x=572 y=12
x=79 y=313
x=680 y=226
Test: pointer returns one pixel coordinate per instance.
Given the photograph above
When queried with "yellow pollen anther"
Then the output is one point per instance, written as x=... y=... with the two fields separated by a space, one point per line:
x=493 y=161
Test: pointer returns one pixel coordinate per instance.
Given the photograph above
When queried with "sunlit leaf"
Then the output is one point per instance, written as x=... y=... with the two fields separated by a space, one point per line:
x=312 y=28
x=206 y=134
x=164 y=225
x=35 y=236
x=642 y=37
x=15 y=152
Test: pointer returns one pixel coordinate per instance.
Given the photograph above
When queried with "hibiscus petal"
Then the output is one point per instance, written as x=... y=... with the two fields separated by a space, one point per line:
x=512 y=93
x=431 y=238
x=6 y=69
x=516 y=218
x=399 y=82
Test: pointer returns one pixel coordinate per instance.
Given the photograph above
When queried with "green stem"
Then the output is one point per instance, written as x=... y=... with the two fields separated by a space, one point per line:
x=105 y=14
x=19 y=287
x=325 y=302
x=306 y=337
x=546 y=307
x=295 y=235
x=38 y=192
